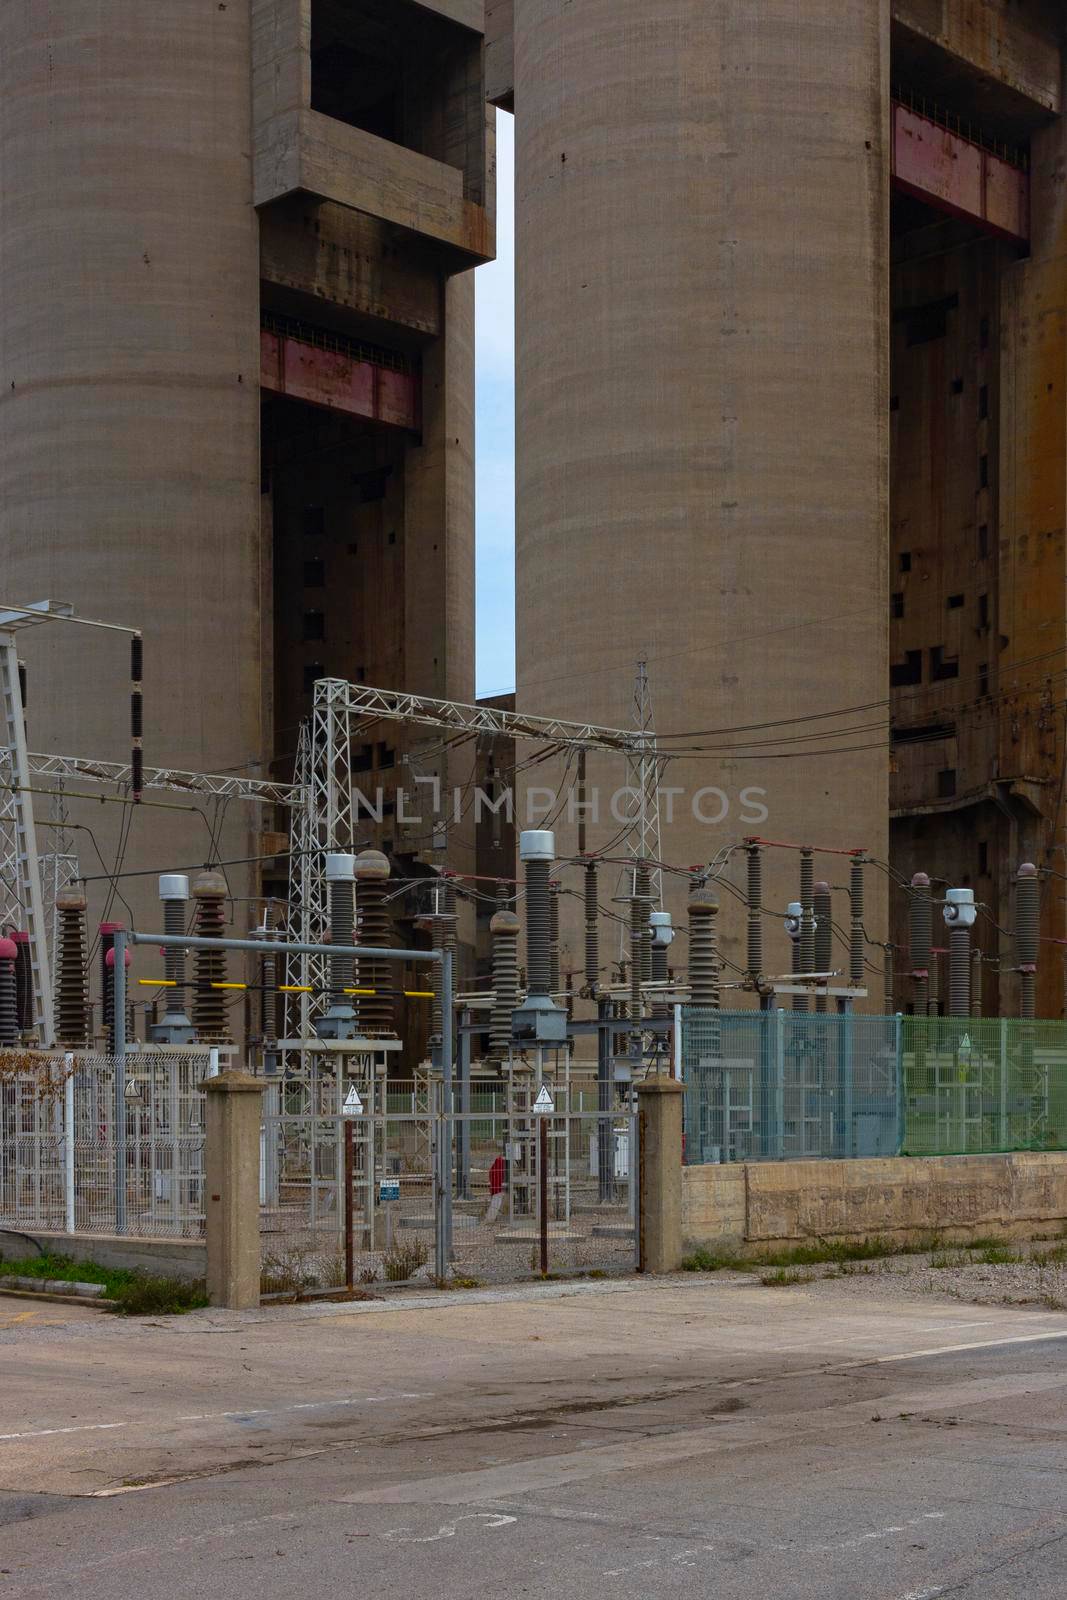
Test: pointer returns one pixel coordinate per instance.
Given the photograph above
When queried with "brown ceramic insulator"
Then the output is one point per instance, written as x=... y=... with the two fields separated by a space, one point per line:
x=72 y=977
x=209 y=966
x=377 y=1010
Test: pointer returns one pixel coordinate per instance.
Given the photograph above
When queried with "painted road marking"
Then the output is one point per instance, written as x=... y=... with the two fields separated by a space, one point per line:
x=214 y=1416
x=448 y=1530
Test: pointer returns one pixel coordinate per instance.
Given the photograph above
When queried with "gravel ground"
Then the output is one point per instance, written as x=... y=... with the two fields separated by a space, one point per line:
x=1006 y=1274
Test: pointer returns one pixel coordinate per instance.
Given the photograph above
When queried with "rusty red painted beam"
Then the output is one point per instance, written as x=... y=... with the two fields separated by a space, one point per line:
x=958 y=176
x=338 y=381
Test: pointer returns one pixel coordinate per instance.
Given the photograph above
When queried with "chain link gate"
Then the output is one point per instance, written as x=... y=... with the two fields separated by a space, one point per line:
x=365 y=1196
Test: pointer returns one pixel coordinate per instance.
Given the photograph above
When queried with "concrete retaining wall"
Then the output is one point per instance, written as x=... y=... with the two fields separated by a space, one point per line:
x=173 y=1258
x=773 y=1203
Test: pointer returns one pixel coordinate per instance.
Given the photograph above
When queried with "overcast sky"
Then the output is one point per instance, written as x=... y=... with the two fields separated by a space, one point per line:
x=496 y=438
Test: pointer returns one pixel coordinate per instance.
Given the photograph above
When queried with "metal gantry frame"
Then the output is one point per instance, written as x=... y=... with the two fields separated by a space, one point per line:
x=20 y=862
x=289 y=947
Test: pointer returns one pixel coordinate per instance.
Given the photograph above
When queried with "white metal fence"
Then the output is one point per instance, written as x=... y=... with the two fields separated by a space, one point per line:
x=63 y=1169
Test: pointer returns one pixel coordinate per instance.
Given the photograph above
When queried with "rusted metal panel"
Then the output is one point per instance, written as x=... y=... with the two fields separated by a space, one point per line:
x=338 y=381
x=958 y=176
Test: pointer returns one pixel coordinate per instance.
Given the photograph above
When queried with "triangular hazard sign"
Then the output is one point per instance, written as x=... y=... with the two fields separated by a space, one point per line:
x=544 y=1105
x=353 y=1106
x=965 y=1042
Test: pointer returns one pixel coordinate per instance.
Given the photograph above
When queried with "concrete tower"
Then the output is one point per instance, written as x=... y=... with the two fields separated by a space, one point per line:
x=236 y=373
x=702 y=201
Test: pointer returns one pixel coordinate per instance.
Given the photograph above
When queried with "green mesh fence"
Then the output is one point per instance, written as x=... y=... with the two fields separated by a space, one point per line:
x=787 y=1086
x=982 y=1084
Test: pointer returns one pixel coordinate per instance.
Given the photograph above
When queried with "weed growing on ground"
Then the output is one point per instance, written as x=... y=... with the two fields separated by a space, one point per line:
x=285 y=1271
x=998 y=1255
x=404 y=1260
x=714 y=1261
x=150 y=1295
x=783 y=1277
x=1050 y=1258
x=949 y=1258
x=68 y=1270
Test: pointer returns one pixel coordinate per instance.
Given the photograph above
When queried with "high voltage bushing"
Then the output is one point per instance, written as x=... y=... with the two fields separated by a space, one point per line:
x=442 y=937
x=340 y=1020
x=794 y=917
x=539 y=1020
x=644 y=894
x=107 y=932
x=638 y=924
x=9 y=1020
x=754 y=897
x=856 y=934
x=1027 y=925
x=109 y=1011
x=662 y=932
x=553 y=932
x=959 y=914
x=209 y=966
x=175 y=1028
x=824 y=935
x=703 y=912
x=807 y=915
x=137 y=718
x=592 y=930
x=23 y=980
x=920 y=939
x=268 y=982
x=504 y=930
x=72 y=977
x=376 y=1011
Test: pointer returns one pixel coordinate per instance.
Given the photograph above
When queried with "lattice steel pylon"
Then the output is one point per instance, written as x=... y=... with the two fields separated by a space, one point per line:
x=60 y=867
x=323 y=824
x=642 y=781
x=20 y=864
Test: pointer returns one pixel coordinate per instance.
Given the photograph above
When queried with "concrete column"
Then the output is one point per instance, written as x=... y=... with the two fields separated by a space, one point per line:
x=231 y=1183
x=659 y=1110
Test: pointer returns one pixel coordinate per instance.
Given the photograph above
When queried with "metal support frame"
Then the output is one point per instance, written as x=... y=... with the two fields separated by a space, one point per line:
x=20 y=863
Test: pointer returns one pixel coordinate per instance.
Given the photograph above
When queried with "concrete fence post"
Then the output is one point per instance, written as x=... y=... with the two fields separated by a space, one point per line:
x=231 y=1188
x=659 y=1115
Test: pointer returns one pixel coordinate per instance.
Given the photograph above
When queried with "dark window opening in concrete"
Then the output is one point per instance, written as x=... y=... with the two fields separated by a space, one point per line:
x=943 y=666
x=957 y=386
x=983 y=402
x=983 y=472
x=946 y=783
x=908 y=671
x=363 y=758
x=983 y=333
x=386 y=756
x=896 y=606
x=983 y=542
x=372 y=485
x=983 y=679
x=314 y=625
x=923 y=733
x=983 y=859
x=313 y=671
x=314 y=574
x=894 y=404
x=314 y=521
x=392 y=538
x=983 y=611
x=924 y=324
x=955 y=601
x=905 y=561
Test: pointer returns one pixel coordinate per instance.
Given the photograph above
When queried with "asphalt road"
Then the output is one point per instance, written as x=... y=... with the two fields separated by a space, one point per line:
x=702 y=1436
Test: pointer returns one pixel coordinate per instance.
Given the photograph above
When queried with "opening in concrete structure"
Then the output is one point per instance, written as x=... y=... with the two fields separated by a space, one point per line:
x=396 y=70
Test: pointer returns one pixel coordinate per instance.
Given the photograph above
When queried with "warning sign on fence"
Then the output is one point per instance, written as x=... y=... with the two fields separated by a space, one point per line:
x=544 y=1105
x=353 y=1106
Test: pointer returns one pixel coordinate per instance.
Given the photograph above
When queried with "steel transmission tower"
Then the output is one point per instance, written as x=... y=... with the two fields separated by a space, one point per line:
x=642 y=782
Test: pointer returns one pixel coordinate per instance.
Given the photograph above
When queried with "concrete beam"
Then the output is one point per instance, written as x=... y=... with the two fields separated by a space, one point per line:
x=303 y=150
x=500 y=53
x=958 y=177
x=999 y=40
x=468 y=13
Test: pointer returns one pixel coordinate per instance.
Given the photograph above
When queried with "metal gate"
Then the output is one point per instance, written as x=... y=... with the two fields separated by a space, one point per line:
x=399 y=1191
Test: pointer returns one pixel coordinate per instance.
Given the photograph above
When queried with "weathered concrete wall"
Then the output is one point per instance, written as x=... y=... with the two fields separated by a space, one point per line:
x=702 y=204
x=172 y=1258
x=776 y=1203
x=129 y=350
